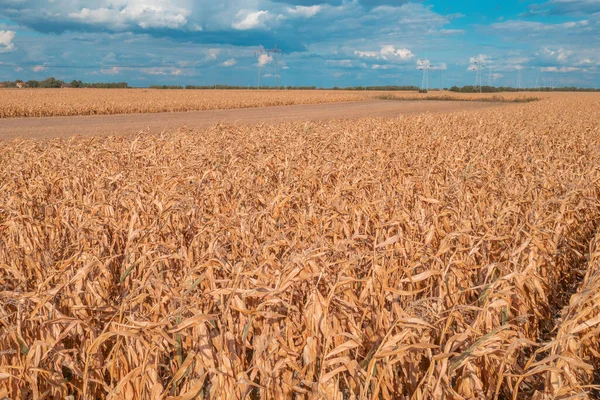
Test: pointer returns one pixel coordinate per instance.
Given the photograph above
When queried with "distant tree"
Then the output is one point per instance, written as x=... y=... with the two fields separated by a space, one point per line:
x=76 y=84
x=33 y=84
x=51 y=83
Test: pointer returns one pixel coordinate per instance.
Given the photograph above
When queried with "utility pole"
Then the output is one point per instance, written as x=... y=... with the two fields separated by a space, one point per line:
x=274 y=53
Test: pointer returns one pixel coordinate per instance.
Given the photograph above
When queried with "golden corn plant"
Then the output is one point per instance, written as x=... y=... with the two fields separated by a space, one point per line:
x=70 y=102
x=430 y=256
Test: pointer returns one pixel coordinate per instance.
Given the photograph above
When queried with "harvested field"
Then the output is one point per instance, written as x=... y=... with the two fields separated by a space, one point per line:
x=71 y=102
x=430 y=256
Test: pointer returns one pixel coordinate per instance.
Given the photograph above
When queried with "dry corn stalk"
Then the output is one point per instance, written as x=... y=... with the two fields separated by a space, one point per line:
x=420 y=257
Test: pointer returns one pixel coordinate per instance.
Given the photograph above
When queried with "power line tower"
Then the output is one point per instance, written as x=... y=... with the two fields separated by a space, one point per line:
x=425 y=66
x=479 y=66
x=258 y=53
x=276 y=52
x=273 y=53
x=519 y=79
x=490 y=77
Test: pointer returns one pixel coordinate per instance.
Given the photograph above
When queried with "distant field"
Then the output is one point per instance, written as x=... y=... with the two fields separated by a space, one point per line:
x=71 y=102
x=433 y=256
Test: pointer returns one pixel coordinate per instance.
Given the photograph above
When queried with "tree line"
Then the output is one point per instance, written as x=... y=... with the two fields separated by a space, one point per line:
x=56 y=83
x=497 y=89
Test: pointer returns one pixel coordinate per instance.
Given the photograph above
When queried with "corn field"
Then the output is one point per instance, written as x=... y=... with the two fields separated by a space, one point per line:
x=72 y=102
x=451 y=256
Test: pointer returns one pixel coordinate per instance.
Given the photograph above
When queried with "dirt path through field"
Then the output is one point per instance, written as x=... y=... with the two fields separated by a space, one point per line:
x=124 y=124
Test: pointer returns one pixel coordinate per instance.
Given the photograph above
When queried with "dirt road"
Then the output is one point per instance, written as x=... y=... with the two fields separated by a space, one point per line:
x=124 y=124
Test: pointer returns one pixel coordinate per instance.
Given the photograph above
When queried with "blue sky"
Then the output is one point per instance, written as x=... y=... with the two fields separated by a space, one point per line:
x=325 y=43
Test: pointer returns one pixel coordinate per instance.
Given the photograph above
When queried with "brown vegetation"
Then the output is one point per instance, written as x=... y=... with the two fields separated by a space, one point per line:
x=434 y=256
x=71 y=102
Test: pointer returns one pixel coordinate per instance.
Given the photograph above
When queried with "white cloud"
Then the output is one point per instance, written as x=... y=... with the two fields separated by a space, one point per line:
x=560 y=55
x=340 y=63
x=111 y=71
x=38 y=68
x=230 y=63
x=497 y=76
x=561 y=69
x=367 y=54
x=264 y=59
x=338 y=75
x=449 y=32
x=421 y=64
x=425 y=64
x=432 y=67
x=303 y=11
x=6 y=41
x=387 y=53
x=146 y=15
x=212 y=54
x=482 y=58
x=379 y=66
x=162 y=71
x=252 y=20
x=390 y=52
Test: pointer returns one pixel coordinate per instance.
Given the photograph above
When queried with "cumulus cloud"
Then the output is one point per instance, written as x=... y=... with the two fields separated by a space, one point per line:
x=230 y=63
x=390 y=52
x=553 y=56
x=252 y=20
x=6 y=41
x=38 y=68
x=264 y=59
x=144 y=15
x=387 y=53
x=303 y=11
x=481 y=59
x=367 y=54
x=427 y=64
x=423 y=64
